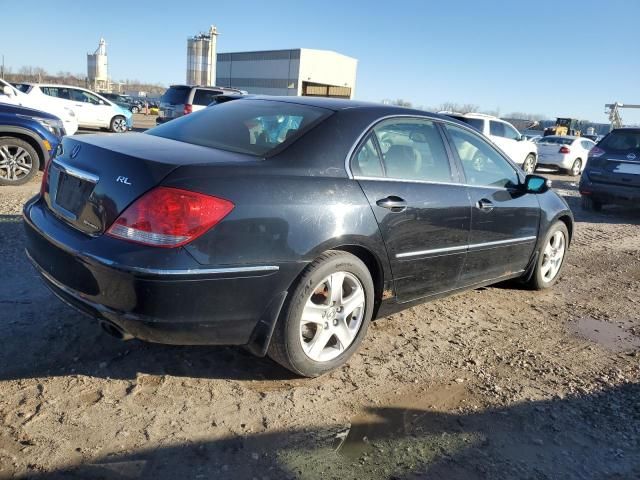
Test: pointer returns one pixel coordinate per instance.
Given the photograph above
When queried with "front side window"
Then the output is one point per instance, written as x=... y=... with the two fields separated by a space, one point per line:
x=255 y=127
x=510 y=132
x=482 y=164
x=413 y=149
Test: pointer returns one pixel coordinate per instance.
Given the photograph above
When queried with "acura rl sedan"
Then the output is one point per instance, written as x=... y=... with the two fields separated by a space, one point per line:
x=286 y=224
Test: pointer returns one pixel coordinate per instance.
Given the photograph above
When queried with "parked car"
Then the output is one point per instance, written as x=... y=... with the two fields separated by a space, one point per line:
x=92 y=109
x=287 y=224
x=522 y=151
x=28 y=139
x=612 y=174
x=181 y=100
x=124 y=101
x=567 y=153
x=11 y=95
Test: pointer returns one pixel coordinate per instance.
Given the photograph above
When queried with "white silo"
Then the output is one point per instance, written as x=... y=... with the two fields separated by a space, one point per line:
x=97 y=67
x=201 y=58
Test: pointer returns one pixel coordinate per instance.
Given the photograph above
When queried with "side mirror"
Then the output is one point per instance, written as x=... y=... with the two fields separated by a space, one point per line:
x=8 y=91
x=536 y=184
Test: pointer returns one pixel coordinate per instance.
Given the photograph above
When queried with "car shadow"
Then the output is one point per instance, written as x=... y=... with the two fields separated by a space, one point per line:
x=45 y=337
x=588 y=436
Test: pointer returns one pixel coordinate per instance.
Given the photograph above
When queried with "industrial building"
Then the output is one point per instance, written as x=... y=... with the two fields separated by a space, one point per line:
x=201 y=56
x=295 y=72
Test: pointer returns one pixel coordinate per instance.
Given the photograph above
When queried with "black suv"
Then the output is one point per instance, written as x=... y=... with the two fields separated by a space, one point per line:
x=612 y=174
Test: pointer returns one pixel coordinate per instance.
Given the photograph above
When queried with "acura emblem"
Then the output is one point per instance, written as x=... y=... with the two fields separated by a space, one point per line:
x=75 y=151
x=631 y=156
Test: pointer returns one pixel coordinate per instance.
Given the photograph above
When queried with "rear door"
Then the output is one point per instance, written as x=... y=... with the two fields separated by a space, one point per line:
x=620 y=163
x=423 y=213
x=504 y=219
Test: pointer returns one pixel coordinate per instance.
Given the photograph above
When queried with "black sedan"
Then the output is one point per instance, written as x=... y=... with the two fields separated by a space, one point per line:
x=286 y=224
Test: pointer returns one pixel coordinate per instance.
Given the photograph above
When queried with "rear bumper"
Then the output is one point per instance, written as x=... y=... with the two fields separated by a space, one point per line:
x=561 y=161
x=179 y=302
x=609 y=193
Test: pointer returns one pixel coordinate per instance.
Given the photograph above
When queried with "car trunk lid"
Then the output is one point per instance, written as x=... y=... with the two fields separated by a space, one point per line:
x=98 y=176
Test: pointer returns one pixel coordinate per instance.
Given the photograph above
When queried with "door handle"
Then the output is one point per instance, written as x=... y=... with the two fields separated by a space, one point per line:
x=485 y=205
x=393 y=203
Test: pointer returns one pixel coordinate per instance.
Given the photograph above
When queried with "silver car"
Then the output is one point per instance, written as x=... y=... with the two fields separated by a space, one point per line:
x=568 y=153
x=181 y=100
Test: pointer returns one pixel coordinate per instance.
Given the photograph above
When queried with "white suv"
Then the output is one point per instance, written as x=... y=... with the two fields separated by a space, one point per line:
x=92 y=109
x=505 y=136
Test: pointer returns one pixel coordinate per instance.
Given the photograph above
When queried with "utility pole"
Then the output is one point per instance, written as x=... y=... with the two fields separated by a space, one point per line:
x=2 y=68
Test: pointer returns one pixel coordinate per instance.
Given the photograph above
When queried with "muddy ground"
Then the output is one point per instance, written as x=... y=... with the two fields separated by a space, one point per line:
x=494 y=383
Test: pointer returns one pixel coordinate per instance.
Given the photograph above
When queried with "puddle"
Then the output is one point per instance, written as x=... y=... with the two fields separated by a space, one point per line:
x=400 y=417
x=611 y=336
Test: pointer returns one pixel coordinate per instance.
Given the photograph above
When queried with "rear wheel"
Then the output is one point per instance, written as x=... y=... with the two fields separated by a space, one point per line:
x=326 y=317
x=135 y=109
x=529 y=165
x=576 y=168
x=551 y=257
x=118 y=124
x=19 y=161
x=589 y=203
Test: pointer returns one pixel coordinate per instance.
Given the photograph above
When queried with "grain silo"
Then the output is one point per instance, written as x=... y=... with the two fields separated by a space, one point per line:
x=97 y=68
x=201 y=58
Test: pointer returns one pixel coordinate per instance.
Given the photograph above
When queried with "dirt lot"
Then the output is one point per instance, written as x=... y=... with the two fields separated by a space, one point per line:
x=494 y=383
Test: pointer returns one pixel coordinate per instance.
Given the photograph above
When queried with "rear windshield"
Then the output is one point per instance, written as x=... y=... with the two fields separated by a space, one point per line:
x=557 y=140
x=476 y=123
x=621 y=141
x=256 y=127
x=176 y=95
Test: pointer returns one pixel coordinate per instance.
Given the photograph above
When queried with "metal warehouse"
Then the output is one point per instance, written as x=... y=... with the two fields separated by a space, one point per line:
x=300 y=71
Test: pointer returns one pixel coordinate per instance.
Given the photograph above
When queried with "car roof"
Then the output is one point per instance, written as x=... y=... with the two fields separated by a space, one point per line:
x=18 y=109
x=337 y=104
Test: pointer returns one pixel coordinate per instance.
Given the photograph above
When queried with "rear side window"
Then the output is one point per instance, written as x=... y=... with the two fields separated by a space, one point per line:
x=57 y=92
x=497 y=129
x=176 y=95
x=476 y=123
x=255 y=127
x=205 y=97
x=411 y=149
x=621 y=141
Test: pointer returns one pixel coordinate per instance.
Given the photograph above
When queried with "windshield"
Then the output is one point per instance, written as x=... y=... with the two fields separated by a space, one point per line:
x=557 y=140
x=621 y=141
x=256 y=127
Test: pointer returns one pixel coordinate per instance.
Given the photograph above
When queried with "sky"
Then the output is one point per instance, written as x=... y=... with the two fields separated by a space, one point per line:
x=555 y=58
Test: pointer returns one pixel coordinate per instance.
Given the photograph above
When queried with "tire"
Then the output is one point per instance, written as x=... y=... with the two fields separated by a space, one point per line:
x=118 y=124
x=19 y=161
x=529 y=165
x=549 y=264
x=589 y=203
x=311 y=348
x=135 y=110
x=576 y=168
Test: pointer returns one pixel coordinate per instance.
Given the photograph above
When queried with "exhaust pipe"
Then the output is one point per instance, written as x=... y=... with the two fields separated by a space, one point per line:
x=114 y=330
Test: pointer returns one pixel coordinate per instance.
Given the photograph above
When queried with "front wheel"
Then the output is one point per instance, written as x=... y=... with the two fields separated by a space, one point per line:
x=551 y=257
x=529 y=165
x=326 y=316
x=19 y=161
x=118 y=124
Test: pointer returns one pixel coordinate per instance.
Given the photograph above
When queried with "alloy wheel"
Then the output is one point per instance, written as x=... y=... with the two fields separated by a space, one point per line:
x=15 y=162
x=577 y=166
x=120 y=125
x=529 y=165
x=553 y=255
x=332 y=316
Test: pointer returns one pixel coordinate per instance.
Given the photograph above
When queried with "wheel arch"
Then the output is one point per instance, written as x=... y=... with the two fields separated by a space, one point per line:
x=568 y=221
x=31 y=139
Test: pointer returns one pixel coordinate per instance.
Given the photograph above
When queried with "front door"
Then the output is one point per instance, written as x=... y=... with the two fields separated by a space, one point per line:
x=508 y=139
x=504 y=219
x=423 y=214
x=90 y=111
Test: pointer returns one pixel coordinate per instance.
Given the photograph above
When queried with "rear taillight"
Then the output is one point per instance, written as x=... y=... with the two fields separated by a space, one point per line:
x=169 y=217
x=44 y=186
x=564 y=150
x=188 y=108
x=596 y=152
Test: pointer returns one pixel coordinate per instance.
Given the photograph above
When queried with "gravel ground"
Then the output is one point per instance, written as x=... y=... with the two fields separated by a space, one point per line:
x=493 y=383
